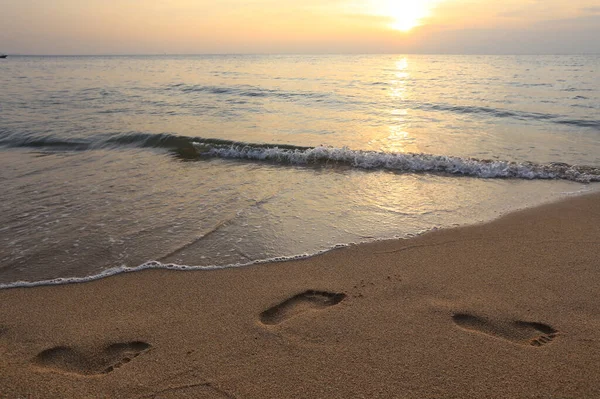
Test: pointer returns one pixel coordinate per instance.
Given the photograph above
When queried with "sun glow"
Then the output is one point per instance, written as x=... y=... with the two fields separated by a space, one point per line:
x=405 y=14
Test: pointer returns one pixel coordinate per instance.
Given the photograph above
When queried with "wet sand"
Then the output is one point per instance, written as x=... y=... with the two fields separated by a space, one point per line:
x=508 y=309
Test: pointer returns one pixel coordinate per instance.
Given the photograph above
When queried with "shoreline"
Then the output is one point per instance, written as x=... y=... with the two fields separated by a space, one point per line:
x=505 y=308
x=156 y=265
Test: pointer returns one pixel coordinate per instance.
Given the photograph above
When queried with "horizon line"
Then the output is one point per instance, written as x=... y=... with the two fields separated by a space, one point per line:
x=283 y=54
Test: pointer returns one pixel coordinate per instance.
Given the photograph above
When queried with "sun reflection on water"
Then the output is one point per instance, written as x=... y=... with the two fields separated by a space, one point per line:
x=398 y=137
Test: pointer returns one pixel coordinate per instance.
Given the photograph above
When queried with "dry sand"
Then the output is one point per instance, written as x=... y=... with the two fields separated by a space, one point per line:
x=509 y=309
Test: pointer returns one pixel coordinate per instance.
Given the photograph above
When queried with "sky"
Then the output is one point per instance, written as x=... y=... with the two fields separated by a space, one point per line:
x=299 y=26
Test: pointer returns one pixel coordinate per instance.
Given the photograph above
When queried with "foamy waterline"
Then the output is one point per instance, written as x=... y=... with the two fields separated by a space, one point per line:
x=113 y=271
x=278 y=259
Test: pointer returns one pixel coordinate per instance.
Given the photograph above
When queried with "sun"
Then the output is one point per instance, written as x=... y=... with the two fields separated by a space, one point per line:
x=405 y=14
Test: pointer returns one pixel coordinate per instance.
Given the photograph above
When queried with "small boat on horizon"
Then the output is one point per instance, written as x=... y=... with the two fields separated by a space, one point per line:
x=3 y=56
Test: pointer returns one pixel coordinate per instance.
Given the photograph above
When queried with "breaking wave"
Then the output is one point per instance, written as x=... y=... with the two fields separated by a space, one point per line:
x=196 y=148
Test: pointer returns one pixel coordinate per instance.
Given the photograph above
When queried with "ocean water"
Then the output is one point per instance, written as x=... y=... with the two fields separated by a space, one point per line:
x=115 y=164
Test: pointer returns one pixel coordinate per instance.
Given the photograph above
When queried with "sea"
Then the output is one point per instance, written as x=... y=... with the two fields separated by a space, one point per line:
x=116 y=164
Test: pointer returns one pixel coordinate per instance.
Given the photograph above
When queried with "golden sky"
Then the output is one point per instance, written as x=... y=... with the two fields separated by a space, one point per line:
x=299 y=26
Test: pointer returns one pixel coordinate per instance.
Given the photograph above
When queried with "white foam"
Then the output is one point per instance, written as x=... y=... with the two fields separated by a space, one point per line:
x=405 y=162
x=154 y=265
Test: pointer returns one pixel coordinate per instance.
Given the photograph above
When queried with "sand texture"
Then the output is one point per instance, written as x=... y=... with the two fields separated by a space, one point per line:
x=509 y=309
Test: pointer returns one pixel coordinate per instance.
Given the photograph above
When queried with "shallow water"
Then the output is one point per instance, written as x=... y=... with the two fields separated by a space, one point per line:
x=110 y=162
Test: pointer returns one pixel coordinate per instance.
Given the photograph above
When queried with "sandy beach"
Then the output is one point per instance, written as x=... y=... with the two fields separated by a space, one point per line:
x=508 y=309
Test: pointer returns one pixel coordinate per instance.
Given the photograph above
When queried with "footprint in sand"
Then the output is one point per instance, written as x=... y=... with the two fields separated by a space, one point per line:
x=306 y=301
x=103 y=361
x=519 y=332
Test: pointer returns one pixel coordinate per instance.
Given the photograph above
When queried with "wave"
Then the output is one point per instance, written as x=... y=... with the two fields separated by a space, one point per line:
x=196 y=148
x=49 y=142
x=245 y=91
x=519 y=115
